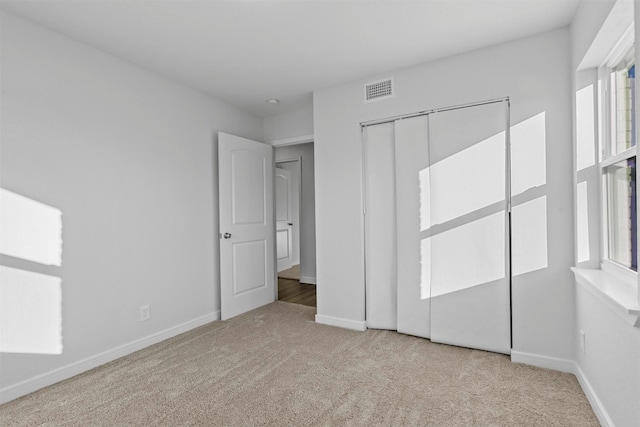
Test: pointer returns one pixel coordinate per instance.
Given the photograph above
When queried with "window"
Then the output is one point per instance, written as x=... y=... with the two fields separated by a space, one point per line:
x=618 y=164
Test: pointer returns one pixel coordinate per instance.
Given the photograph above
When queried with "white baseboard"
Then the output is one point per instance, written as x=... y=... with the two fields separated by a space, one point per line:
x=308 y=280
x=569 y=366
x=341 y=323
x=557 y=364
x=596 y=404
x=48 y=378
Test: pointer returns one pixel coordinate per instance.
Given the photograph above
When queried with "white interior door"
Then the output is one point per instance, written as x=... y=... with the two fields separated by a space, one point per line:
x=468 y=236
x=247 y=262
x=284 y=219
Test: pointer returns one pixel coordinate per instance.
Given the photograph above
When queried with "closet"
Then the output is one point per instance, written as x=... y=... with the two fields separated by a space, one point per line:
x=437 y=244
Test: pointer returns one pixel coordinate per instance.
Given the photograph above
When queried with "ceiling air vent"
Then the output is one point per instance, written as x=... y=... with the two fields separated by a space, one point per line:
x=378 y=90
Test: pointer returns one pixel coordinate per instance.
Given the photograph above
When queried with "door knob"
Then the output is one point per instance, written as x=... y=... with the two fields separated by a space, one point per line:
x=227 y=235
x=290 y=223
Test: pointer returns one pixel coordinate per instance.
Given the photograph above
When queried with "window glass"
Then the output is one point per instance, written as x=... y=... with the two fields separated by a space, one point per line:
x=622 y=101
x=621 y=183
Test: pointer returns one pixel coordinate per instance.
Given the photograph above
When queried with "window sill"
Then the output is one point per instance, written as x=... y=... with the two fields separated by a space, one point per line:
x=620 y=294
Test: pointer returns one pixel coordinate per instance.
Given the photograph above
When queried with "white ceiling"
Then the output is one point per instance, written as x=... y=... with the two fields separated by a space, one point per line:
x=245 y=52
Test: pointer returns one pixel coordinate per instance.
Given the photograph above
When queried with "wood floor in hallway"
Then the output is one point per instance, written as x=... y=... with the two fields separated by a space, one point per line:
x=290 y=290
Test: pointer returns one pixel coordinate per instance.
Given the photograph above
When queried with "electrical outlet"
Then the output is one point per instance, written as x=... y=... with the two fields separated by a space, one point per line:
x=145 y=312
x=583 y=342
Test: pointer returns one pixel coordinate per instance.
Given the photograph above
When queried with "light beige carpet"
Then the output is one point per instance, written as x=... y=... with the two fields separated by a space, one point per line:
x=274 y=366
x=291 y=273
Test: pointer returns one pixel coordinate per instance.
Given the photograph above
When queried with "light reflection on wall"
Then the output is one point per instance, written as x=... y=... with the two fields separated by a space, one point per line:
x=469 y=255
x=529 y=236
x=582 y=222
x=30 y=302
x=468 y=181
x=462 y=184
x=528 y=154
x=473 y=179
x=425 y=269
x=30 y=312
x=528 y=218
x=585 y=130
x=30 y=230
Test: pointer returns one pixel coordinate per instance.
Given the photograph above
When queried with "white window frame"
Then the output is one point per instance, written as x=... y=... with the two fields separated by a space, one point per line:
x=607 y=156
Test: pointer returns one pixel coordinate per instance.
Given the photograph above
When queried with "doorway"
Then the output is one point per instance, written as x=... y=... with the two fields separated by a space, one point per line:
x=294 y=198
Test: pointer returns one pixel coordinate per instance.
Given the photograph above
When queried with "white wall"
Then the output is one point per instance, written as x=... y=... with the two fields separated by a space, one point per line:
x=288 y=125
x=535 y=73
x=308 y=208
x=585 y=26
x=129 y=158
x=609 y=364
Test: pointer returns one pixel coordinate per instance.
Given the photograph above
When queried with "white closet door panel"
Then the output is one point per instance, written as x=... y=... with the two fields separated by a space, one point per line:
x=469 y=180
x=470 y=293
x=470 y=275
x=412 y=212
x=468 y=255
x=460 y=318
x=380 y=227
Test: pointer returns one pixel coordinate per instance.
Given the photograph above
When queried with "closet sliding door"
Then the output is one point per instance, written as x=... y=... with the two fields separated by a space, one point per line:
x=380 y=226
x=437 y=226
x=396 y=162
x=413 y=222
x=469 y=228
